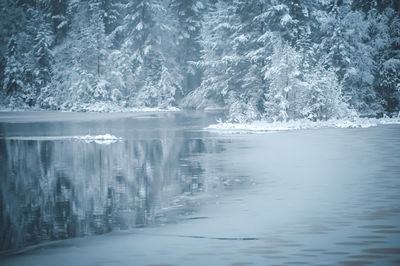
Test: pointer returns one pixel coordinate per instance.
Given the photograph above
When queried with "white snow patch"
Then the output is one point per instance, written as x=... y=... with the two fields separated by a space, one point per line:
x=264 y=126
x=99 y=139
x=105 y=107
x=98 y=107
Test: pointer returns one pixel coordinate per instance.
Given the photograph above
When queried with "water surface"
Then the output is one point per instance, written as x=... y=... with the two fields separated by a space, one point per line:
x=171 y=193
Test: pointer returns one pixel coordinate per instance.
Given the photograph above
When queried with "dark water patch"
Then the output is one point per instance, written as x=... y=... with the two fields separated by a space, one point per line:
x=276 y=257
x=197 y=218
x=386 y=231
x=235 y=238
x=160 y=264
x=391 y=251
x=368 y=257
x=335 y=253
x=373 y=242
x=355 y=262
x=296 y=263
x=350 y=243
x=313 y=250
x=380 y=214
x=367 y=237
x=107 y=262
x=291 y=245
x=305 y=255
x=241 y=263
x=34 y=248
x=219 y=238
x=381 y=226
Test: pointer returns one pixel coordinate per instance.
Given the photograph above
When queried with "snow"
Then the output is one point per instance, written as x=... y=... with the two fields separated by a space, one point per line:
x=105 y=139
x=98 y=107
x=264 y=126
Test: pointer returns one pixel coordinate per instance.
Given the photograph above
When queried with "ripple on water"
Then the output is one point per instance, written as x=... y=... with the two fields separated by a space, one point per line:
x=355 y=262
x=296 y=263
x=368 y=256
x=262 y=251
x=377 y=226
x=387 y=231
x=351 y=243
x=367 y=237
x=241 y=263
x=160 y=264
x=389 y=251
x=313 y=250
x=372 y=242
x=336 y=253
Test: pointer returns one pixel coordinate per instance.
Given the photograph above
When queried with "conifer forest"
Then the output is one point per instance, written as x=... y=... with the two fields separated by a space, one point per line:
x=260 y=59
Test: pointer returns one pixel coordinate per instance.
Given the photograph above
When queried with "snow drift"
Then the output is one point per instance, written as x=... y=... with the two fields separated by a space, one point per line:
x=99 y=139
x=264 y=126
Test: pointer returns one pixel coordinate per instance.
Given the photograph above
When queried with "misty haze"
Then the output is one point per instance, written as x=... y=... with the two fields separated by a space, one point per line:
x=199 y=132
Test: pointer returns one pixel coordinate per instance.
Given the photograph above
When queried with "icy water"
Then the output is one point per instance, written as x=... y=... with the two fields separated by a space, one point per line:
x=170 y=193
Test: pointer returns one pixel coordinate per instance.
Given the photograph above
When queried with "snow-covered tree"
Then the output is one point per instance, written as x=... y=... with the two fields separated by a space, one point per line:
x=387 y=76
x=218 y=59
x=189 y=14
x=59 y=16
x=285 y=87
x=256 y=58
x=151 y=73
x=13 y=82
x=349 y=51
x=43 y=71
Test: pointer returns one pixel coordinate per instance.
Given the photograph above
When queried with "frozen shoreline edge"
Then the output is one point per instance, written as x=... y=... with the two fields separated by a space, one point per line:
x=264 y=126
x=96 y=109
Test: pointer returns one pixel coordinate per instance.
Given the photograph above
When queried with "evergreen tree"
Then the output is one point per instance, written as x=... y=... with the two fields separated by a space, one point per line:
x=261 y=59
x=387 y=80
x=59 y=17
x=189 y=15
x=14 y=71
x=44 y=58
x=218 y=59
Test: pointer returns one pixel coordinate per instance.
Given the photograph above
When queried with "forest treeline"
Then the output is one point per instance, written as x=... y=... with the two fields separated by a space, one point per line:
x=260 y=59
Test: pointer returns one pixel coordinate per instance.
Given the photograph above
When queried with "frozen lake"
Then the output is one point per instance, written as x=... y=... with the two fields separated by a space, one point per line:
x=164 y=191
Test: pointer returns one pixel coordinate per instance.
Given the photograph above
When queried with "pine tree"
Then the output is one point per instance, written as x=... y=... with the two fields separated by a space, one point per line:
x=148 y=57
x=13 y=82
x=218 y=57
x=44 y=57
x=59 y=17
x=387 y=78
x=284 y=85
x=189 y=15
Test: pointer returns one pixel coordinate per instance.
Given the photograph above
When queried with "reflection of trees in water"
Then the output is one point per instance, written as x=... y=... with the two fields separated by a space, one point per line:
x=60 y=189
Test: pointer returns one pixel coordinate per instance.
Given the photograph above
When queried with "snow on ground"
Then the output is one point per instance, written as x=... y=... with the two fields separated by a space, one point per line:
x=104 y=107
x=264 y=126
x=99 y=107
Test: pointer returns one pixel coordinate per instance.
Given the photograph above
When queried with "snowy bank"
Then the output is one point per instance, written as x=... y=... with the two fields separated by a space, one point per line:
x=99 y=107
x=264 y=126
x=106 y=107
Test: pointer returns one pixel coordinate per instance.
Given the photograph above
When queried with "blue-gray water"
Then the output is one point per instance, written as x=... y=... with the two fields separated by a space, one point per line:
x=172 y=193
